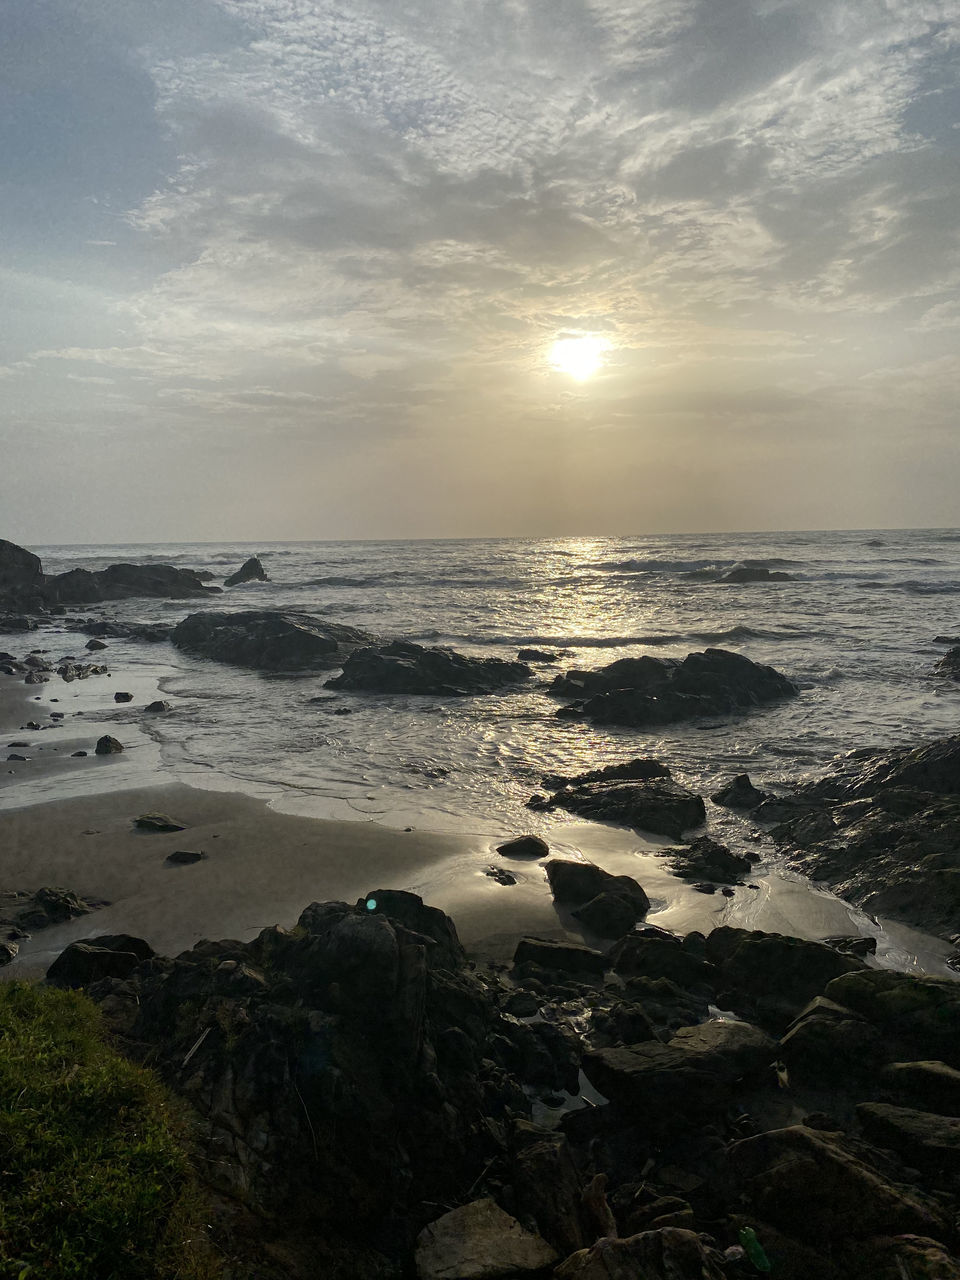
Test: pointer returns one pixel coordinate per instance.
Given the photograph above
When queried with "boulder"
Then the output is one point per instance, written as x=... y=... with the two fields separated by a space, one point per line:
x=84 y=963
x=268 y=641
x=403 y=667
x=930 y=1086
x=574 y=884
x=160 y=704
x=609 y=915
x=94 y=645
x=567 y=957
x=669 y=1253
x=753 y=573
x=121 y=696
x=641 y=769
x=107 y=746
x=923 y=1140
x=479 y=1241
x=707 y=859
x=185 y=857
x=919 y=1014
x=949 y=664
x=250 y=571
x=157 y=822
x=21 y=573
x=524 y=847
x=658 y=806
x=8 y=951
x=123 y=581
x=660 y=955
x=645 y=692
x=739 y=793
x=826 y=1043
x=537 y=655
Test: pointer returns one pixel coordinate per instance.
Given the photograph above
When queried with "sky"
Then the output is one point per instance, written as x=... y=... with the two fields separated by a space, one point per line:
x=290 y=269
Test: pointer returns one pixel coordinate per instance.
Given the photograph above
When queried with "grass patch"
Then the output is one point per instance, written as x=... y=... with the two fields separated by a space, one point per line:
x=95 y=1181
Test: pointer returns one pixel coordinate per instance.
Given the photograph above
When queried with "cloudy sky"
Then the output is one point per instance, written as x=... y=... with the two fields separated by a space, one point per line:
x=298 y=268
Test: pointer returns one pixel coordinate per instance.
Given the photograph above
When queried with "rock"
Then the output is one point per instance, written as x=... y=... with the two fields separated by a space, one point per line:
x=268 y=641
x=658 y=806
x=122 y=581
x=50 y=905
x=479 y=1241
x=927 y=1142
x=918 y=1014
x=809 y=1186
x=8 y=951
x=157 y=822
x=660 y=956
x=669 y=1253
x=916 y=1257
x=403 y=667
x=36 y=677
x=930 y=1086
x=643 y=692
x=94 y=645
x=739 y=793
x=70 y=671
x=14 y=756
x=548 y=1185
x=122 y=697
x=637 y=770
x=153 y=632
x=250 y=571
x=185 y=857
x=706 y=859
x=501 y=875
x=160 y=704
x=949 y=664
x=826 y=1043
x=84 y=963
x=537 y=655
x=753 y=573
x=568 y=957
x=107 y=746
x=524 y=847
x=609 y=915
x=574 y=884
x=76 y=754
x=21 y=573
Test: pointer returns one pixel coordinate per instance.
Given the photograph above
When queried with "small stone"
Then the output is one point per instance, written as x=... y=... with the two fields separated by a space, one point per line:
x=13 y=756
x=184 y=857
x=157 y=822
x=524 y=847
x=107 y=746
x=159 y=705
x=75 y=754
x=95 y=644
x=122 y=697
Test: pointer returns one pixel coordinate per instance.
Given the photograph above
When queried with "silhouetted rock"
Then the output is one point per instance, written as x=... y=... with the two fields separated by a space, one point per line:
x=563 y=956
x=537 y=655
x=250 y=571
x=639 y=770
x=84 y=963
x=124 y=581
x=160 y=704
x=403 y=667
x=949 y=664
x=739 y=793
x=648 y=691
x=94 y=644
x=268 y=641
x=707 y=859
x=185 y=857
x=477 y=1241
x=21 y=573
x=753 y=573
x=107 y=746
x=122 y=696
x=157 y=822
x=659 y=806
x=524 y=847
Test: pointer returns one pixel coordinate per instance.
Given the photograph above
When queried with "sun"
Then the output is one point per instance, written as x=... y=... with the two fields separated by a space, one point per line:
x=580 y=357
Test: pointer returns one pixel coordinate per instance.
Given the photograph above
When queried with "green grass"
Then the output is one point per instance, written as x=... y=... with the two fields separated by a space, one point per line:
x=95 y=1181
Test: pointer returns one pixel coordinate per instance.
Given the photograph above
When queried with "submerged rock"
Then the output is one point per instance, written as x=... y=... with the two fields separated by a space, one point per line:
x=739 y=793
x=268 y=641
x=250 y=571
x=403 y=667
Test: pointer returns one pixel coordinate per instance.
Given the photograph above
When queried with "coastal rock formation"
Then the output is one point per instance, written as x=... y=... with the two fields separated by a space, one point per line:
x=739 y=793
x=267 y=640
x=658 y=805
x=21 y=573
x=605 y=905
x=250 y=571
x=368 y=1093
x=753 y=573
x=152 y=632
x=122 y=581
x=646 y=691
x=884 y=832
x=403 y=667
x=707 y=859
x=949 y=664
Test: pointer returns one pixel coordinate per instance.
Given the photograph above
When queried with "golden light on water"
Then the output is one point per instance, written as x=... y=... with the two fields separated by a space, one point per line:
x=580 y=357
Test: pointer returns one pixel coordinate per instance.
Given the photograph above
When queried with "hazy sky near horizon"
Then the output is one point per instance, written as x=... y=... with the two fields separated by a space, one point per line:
x=295 y=269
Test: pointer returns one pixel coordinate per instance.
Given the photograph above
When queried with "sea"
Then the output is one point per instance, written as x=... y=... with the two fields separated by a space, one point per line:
x=854 y=627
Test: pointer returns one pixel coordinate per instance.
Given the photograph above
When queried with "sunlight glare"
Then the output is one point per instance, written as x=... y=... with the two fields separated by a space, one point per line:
x=579 y=357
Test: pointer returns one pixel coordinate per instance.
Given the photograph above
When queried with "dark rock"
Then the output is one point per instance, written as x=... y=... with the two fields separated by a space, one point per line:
x=70 y=671
x=250 y=571
x=36 y=677
x=477 y=1241
x=609 y=915
x=568 y=957
x=160 y=704
x=669 y=1253
x=21 y=573
x=524 y=847
x=949 y=664
x=152 y=632
x=537 y=655
x=409 y=910
x=84 y=963
x=268 y=641
x=739 y=793
x=157 y=822
x=8 y=951
x=660 y=956
x=826 y=1043
x=549 y=1191
x=185 y=857
x=706 y=859
x=930 y=1086
x=17 y=758
x=658 y=806
x=646 y=691
x=753 y=573
x=927 y=1142
x=94 y=644
x=574 y=884
x=107 y=746
x=122 y=581
x=638 y=770
x=122 y=697
x=501 y=875
x=852 y=944
x=76 y=754
x=403 y=667
x=918 y=1014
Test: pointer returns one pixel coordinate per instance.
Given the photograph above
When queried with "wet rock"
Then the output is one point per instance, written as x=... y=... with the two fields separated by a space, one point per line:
x=641 y=769
x=479 y=1241
x=21 y=573
x=609 y=915
x=669 y=1253
x=643 y=692
x=574 y=883
x=501 y=875
x=120 y=696
x=250 y=571
x=924 y=1141
x=707 y=859
x=8 y=951
x=658 y=806
x=107 y=746
x=929 y=1086
x=753 y=573
x=739 y=793
x=524 y=847
x=537 y=655
x=158 y=705
x=186 y=857
x=94 y=644
x=77 y=754
x=567 y=957
x=403 y=667
x=17 y=758
x=70 y=671
x=660 y=956
x=268 y=641
x=84 y=963
x=157 y=822
x=949 y=664
x=919 y=1014
x=808 y=1185
x=123 y=581
x=36 y=677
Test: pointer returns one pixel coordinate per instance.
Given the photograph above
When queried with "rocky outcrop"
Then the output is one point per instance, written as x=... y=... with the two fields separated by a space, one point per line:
x=949 y=664
x=365 y=1091
x=753 y=573
x=707 y=859
x=884 y=831
x=646 y=691
x=604 y=905
x=403 y=667
x=267 y=640
x=250 y=571
x=124 y=581
x=659 y=805
x=21 y=574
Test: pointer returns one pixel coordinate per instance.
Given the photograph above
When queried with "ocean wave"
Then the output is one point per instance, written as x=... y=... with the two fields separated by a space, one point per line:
x=702 y=566
x=653 y=639
x=403 y=578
